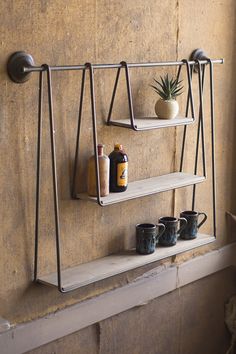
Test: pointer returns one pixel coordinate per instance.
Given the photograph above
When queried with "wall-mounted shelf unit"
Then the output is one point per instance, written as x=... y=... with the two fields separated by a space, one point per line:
x=21 y=65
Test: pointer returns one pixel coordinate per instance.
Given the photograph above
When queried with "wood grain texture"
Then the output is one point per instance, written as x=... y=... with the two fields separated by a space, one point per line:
x=73 y=278
x=142 y=188
x=153 y=123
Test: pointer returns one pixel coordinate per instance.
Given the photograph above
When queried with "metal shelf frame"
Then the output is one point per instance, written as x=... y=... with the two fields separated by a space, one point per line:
x=133 y=125
x=20 y=66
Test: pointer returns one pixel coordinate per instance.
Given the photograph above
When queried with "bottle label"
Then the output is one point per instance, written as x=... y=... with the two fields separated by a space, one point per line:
x=122 y=174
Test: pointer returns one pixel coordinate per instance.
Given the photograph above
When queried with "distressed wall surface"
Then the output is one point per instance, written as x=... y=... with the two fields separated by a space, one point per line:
x=187 y=321
x=99 y=31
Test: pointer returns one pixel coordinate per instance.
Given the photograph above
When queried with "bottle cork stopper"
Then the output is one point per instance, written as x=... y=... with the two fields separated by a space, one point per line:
x=118 y=147
x=100 y=149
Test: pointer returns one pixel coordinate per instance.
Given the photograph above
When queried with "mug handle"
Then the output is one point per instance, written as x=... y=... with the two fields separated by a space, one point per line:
x=161 y=229
x=204 y=219
x=183 y=226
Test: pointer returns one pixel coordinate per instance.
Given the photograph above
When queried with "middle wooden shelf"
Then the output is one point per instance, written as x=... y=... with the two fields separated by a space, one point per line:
x=148 y=186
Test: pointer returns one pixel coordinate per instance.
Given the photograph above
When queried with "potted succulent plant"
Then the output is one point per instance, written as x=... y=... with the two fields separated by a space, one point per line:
x=168 y=89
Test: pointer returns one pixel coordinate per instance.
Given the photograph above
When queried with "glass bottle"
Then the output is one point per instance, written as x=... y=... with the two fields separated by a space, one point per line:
x=104 y=169
x=118 y=169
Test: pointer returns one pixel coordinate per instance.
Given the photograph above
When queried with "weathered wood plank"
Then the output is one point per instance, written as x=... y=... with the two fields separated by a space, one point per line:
x=152 y=123
x=148 y=186
x=87 y=273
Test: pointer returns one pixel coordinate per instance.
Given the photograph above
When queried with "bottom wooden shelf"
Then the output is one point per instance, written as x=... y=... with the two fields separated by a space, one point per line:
x=87 y=273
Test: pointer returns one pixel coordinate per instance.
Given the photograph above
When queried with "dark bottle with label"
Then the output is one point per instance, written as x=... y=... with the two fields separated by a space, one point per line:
x=118 y=169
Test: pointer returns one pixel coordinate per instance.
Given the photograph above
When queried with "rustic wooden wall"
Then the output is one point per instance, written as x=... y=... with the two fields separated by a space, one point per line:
x=99 y=31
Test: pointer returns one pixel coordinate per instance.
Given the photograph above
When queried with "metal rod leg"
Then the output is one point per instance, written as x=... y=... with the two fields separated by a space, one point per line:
x=213 y=144
x=196 y=161
x=78 y=136
x=201 y=76
x=189 y=101
x=113 y=96
x=190 y=87
x=179 y=72
x=203 y=128
x=185 y=127
x=93 y=104
x=130 y=100
x=54 y=174
x=37 y=209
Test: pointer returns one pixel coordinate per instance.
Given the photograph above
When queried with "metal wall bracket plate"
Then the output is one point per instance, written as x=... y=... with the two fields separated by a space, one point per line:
x=198 y=54
x=16 y=64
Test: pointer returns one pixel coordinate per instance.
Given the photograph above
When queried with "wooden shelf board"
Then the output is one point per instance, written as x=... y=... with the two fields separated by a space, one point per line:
x=152 y=123
x=148 y=186
x=99 y=269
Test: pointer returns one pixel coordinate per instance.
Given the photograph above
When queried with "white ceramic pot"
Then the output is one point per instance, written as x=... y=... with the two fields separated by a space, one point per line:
x=166 y=109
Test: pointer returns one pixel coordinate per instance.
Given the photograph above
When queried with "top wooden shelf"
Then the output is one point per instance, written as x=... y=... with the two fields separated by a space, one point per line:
x=152 y=123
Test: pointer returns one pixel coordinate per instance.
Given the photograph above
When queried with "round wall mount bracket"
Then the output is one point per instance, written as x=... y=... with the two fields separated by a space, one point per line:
x=16 y=64
x=198 y=54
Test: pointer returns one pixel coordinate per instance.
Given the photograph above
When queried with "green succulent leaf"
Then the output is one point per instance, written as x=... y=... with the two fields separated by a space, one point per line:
x=168 y=88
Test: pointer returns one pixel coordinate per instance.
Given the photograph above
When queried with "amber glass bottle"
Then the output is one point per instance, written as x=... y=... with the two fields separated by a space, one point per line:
x=118 y=169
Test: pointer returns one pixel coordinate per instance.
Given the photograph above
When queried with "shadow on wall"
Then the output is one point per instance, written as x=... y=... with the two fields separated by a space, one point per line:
x=231 y=226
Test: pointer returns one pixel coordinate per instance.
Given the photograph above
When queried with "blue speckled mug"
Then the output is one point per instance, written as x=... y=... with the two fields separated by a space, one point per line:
x=147 y=237
x=190 y=231
x=171 y=233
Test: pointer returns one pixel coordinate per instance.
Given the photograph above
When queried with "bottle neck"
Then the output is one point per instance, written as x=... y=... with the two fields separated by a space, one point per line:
x=100 y=150
x=118 y=147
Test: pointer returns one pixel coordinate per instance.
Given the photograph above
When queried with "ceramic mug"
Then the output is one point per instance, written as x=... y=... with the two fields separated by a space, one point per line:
x=190 y=231
x=171 y=233
x=147 y=236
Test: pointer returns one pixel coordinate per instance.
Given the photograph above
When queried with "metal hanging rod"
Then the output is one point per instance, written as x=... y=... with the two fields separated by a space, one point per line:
x=20 y=65
x=116 y=66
